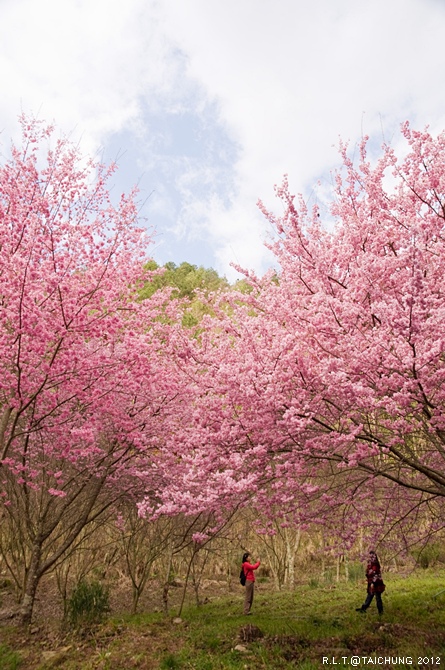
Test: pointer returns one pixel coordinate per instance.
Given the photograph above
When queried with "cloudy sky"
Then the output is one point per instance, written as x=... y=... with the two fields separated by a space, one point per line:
x=207 y=104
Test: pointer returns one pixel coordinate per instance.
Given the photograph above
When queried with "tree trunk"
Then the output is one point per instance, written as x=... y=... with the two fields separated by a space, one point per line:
x=292 y=539
x=32 y=582
x=135 y=599
x=166 y=588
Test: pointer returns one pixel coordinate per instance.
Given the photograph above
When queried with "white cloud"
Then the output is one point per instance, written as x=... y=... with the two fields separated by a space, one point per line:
x=85 y=63
x=291 y=77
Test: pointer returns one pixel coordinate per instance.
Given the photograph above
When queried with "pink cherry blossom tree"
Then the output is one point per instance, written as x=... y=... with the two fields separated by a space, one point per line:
x=365 y=305
x=85 y=386
x=320 y=393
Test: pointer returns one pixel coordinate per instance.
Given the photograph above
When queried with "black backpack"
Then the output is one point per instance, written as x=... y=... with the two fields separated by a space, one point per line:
x=242 y=577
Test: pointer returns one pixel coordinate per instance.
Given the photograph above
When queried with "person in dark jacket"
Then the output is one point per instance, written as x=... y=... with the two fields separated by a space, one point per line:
x=250 y=581
x=375 y=584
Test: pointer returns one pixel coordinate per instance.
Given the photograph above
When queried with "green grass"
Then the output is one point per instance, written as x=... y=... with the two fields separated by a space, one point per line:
x=296 y=630
x=9 y=660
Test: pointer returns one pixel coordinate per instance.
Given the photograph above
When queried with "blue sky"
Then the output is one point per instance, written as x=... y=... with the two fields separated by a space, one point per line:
x=206 y=104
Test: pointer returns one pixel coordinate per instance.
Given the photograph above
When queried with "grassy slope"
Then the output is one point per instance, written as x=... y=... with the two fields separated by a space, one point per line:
x=298 y=629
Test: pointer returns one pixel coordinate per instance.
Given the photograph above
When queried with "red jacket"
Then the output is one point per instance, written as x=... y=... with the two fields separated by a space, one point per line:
x=248 y=570
x=374 y=577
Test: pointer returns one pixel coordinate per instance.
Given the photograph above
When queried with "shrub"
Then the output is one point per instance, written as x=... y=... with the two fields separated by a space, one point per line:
x=428 y=556
x=88 y=604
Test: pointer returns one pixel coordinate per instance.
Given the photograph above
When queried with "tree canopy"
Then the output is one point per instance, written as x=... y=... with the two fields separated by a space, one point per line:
x=328 y=382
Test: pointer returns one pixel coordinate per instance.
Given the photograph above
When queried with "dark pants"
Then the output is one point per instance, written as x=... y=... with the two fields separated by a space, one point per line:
x=368 y=601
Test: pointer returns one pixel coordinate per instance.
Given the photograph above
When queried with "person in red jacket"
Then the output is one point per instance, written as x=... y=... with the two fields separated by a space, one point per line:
x=250 y=581
x=375 y=584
